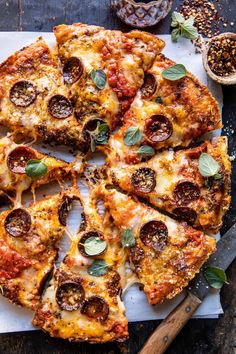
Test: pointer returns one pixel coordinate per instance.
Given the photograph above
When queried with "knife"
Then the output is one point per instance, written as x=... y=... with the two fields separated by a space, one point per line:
x=197 y=291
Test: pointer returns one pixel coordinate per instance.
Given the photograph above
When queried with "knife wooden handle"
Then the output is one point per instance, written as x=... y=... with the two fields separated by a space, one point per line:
x=171 y=326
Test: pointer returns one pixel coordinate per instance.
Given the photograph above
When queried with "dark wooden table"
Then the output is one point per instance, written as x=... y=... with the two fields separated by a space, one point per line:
x=199 y=336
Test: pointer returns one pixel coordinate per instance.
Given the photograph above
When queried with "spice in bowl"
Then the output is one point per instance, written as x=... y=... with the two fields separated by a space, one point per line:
x=221 y=56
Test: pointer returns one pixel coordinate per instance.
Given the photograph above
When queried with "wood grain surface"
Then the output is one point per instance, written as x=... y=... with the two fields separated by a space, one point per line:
x=198 y=336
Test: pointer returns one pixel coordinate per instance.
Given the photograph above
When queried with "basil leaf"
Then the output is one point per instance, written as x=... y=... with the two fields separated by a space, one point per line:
x=127 y=238
x=188 y=30
x=217 y=176
x=216 y=277
x=176 y=18
x=99 y=78
x=98 y=268
x=159 y=99
x=99 y=136
x=94 y=246
x=36 y=169
x=146 y=150
x=132 y=136
x=207 y=165
x=175 y=72
x=175 y=34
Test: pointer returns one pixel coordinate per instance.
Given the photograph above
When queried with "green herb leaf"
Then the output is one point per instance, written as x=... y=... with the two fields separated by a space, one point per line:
x=98 y=268
x=176 y=18
x=94 y=246
x=216 y=277
x=217 y=176
x=175 y=34
x=99 y=78
x=183 y=27
x=207 y=165
x=36 y=169
x=175 y=72
x=132 y=136
x=188 y=30
x=99 y=136
x=127 y=238
x=146 y=151
x=159 y=100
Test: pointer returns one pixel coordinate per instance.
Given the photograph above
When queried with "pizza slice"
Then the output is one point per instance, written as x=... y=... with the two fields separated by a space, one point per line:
x=41 y=168
x=34 y=102
x=104 y=70
x=82 y=301
x=165 y=114
x=29 y=245
x=165 y=254
x=193 y=185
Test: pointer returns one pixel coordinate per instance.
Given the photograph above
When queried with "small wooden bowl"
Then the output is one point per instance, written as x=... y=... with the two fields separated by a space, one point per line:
x=141 y=15
x=224 y=80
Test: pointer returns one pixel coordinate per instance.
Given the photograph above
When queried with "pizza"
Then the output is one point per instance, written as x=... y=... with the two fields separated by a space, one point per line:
x=13 y=161
x=104 y=69
x=34 y=102
x=82 y=301
x=164 y=114
x=171 y=180
x=166 y=254
x=29 y=246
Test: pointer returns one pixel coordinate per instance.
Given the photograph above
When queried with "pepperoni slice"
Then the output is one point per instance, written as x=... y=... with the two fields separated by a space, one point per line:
x=70 y=295
x=185 y=214
x=158 y=128
x=23 y=93
x=149 y=86
x=144 y=180
x=59 y=107
x=17 y=159
x=186 y=192
x=72 y=70
x=84 y=237
x=18 y=222
x=154 y=234
x=95 y=307
x=63 y=210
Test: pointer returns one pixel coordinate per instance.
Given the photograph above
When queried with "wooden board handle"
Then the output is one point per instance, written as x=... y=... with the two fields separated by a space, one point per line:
x=171 y=326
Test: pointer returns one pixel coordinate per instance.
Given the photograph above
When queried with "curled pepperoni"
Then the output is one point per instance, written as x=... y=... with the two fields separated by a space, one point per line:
x=70 y=295
x=144 y=180
x=149 y=86
x=23 y=93
x=186 y=192
x=185 y=214
x=84 y=237
x=158 y=128
x=154 y=234
x=72 y=70
x=18 y=158
x=63 y=210
x=59 y=107
x=18 y=222
x=95 y=307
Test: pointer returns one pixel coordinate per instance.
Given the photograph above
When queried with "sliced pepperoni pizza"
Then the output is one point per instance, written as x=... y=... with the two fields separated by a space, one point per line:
x=82 y=301
x=34 y=101
x=15 y=162
x=104 y=69
x=29 y=240
x=173 y=181
x=166 y=254
x=165 y=114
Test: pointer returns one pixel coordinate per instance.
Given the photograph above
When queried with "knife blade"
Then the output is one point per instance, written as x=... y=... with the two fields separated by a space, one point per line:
x=197 y=291
x=222 y=258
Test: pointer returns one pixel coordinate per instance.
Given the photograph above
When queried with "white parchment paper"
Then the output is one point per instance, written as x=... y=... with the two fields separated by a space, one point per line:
x=13 y=318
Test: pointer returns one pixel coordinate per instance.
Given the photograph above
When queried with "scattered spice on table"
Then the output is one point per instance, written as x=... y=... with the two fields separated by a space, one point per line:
x=207 y=18
x=222 y=56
